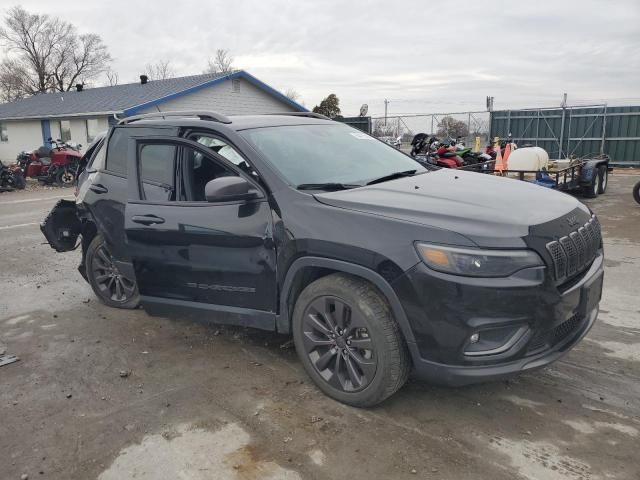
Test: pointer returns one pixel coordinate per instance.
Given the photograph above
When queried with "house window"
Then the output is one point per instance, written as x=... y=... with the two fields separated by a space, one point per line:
x=235 y=84
x=4 y=136
x=93 y=129
x=65 y=130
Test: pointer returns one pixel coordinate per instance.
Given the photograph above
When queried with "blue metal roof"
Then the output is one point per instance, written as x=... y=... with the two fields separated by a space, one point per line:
x=124 y=99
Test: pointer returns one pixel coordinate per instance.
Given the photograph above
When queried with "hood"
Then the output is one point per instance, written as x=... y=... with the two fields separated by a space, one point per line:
x=490 y=210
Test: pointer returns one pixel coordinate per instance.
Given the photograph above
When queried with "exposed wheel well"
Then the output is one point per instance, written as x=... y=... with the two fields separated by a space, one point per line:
x=304 y=277
x=306 y=270
x=89 y=231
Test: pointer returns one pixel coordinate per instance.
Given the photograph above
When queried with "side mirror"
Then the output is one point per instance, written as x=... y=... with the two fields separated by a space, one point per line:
x=229 y=189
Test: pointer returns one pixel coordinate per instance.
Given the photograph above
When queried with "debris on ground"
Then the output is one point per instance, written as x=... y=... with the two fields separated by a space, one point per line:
x=287 y=345
x=7 y=359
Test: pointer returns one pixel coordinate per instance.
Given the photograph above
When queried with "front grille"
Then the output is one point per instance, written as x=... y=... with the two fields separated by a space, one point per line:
x=573 y=253
x=566 y=328
x=558 y=334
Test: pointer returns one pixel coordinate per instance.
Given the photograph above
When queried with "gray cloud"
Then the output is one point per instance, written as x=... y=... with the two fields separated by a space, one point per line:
x=424 y=57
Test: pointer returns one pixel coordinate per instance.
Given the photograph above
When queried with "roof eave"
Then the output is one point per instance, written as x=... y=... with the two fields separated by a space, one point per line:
x=239 y=74
x=62 y=116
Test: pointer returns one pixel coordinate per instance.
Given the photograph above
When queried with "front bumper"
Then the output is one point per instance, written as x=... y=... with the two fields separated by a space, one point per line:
x=444 y=314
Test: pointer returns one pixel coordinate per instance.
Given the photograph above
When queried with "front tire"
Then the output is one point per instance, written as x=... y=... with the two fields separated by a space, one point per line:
x=109 y=284
x=348 y=340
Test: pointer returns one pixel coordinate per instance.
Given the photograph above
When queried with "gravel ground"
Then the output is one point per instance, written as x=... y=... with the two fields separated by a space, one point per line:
x=109 y=394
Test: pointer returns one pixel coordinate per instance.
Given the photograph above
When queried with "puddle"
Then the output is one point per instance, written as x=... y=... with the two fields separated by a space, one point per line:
x=194 y=454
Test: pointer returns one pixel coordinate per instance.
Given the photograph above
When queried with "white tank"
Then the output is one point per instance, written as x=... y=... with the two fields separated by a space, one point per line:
x=528 y=158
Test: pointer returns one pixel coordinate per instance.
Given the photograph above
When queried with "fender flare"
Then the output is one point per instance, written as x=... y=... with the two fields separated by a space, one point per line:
x=284 y=320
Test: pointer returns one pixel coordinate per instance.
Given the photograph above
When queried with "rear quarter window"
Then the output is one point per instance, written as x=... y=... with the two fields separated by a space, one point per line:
x=117 y=152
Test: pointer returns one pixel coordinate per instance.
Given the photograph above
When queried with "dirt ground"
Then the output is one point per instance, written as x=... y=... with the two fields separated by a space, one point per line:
x=109 y=394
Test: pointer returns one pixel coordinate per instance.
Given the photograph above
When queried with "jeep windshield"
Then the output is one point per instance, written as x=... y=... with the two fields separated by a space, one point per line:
x=335 y=156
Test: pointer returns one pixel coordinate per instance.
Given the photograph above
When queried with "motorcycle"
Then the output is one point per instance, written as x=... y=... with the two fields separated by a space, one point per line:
x=448 y=153
x=11 y=178
x=58 y=164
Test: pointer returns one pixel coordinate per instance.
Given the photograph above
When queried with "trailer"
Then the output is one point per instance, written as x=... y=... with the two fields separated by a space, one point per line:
x=588 y=176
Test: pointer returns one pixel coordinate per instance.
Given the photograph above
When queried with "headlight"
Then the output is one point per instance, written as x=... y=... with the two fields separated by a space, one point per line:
x=477 y=263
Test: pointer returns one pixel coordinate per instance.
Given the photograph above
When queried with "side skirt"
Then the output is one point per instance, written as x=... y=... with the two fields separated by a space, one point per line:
x=208 y=313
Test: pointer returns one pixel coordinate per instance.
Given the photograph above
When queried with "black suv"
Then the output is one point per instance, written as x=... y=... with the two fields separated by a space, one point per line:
x=298 y=224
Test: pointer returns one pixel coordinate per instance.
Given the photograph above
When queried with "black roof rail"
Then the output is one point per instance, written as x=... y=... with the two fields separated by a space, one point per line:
x=303 y=114
x=202 y=115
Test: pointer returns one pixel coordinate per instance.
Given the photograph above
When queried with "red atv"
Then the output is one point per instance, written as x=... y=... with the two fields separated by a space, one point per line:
x=58 y=164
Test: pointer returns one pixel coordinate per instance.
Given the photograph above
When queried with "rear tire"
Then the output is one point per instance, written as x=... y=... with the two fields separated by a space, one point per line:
x=110 y=286
x=348 y=341
x=603 y=171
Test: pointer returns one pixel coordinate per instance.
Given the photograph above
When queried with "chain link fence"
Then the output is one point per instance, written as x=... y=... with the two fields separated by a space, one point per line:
x=466 y=125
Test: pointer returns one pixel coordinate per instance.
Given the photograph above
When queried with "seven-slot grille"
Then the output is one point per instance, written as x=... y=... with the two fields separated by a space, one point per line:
x=573 y=253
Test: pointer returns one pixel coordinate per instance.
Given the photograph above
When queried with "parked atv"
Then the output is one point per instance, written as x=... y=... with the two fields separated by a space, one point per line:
x=58 y=164
x=11 y=178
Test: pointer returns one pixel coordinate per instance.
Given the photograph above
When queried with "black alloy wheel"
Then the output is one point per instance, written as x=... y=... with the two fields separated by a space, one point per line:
x=111 y=285
x=348 y=340
x=338 y=344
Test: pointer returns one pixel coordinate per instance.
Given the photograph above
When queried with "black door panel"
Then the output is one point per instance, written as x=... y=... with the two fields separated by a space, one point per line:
x=216 y=254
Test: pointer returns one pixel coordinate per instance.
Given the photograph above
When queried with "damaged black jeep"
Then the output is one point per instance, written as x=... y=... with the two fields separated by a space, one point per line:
x=376 y=265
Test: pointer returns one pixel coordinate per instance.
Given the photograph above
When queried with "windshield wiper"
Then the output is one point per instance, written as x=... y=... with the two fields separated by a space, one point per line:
x=330 y=186
x=392 y=176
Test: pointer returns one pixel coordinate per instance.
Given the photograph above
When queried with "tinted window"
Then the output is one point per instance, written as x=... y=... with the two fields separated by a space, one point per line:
x=328 y=153
x=97 y=162
x=117 y=152
x=157 y=172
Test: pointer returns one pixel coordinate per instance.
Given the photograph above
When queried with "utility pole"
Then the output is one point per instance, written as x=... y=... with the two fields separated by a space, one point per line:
x=564 y=113
x=386 y=103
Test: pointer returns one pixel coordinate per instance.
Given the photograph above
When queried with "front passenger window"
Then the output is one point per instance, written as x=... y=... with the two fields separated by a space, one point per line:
x=197 y=171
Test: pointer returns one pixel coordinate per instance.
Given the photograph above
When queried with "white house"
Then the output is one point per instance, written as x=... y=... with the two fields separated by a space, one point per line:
x=77 y=116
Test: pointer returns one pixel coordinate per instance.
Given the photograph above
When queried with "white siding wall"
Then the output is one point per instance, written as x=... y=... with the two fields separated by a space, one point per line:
x=78 y=129
x=250 y=100
x=27 y=135
x=23 y=135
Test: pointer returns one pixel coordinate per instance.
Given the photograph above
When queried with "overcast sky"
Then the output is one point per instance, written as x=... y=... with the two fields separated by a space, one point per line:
x=424 y=56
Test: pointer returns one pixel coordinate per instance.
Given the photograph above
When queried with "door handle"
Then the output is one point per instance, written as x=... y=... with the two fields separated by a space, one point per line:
x=147 y=219
x=98 y=188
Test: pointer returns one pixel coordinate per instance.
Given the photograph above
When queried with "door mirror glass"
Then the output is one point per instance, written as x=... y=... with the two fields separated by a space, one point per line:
x=229 y=189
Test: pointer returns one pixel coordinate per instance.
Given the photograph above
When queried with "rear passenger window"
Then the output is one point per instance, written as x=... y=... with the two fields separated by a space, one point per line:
x=117 y=153
x=97 y=162
x=157 y=172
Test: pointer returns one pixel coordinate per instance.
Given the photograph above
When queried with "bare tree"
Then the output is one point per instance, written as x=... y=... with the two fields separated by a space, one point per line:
x=83 y=57
x=292 y=94
x=49 y=53
x=160 y=70
x=12 y=84
x=221 y=63
x=112 y=77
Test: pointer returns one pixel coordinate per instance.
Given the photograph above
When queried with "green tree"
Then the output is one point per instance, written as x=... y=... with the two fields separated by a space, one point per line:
x=329 y=107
